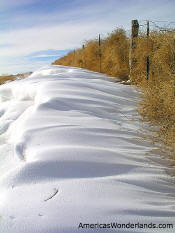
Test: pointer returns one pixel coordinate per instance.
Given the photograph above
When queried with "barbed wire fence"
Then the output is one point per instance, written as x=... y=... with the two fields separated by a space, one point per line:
x=144 y=27
x=138 y=28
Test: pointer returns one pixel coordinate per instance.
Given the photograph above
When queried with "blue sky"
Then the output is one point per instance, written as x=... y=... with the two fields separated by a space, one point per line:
x=33 y=33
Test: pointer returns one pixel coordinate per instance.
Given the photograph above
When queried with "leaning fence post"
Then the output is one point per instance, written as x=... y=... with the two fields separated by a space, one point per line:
x=134 y=35
x=147 y=58
x=99 y=52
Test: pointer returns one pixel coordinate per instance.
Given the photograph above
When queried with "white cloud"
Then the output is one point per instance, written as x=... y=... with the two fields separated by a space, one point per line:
x=19 y=65
x=58 y=37
x=45 y=55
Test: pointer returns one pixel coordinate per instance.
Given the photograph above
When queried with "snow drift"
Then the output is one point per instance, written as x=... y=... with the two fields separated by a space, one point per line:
x=71 y=153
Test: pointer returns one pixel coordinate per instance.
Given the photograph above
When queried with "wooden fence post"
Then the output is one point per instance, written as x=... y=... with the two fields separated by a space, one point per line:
x=83 y=56
x=134 y=35
x=147 y=58
x=74 y=58
x=174 y=64
x=99 y=52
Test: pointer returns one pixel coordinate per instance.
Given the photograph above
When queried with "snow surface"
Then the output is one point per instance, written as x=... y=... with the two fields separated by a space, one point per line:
x=71 y=153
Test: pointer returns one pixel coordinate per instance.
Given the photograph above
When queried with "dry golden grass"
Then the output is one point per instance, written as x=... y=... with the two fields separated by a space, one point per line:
x=5 y=78
x=115 y=55
x=158 y=102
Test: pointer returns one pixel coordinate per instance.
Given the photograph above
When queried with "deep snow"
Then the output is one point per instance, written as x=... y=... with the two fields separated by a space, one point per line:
x=71 y=153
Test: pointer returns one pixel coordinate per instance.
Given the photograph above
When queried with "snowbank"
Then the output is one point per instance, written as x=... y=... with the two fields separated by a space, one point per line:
x=70 y=153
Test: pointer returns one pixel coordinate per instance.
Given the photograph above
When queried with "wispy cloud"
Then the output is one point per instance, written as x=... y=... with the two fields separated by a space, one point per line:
x=19 y=64
x=44 y=55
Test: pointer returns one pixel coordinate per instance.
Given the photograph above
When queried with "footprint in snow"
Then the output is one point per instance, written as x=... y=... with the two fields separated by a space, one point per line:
x=55 y=192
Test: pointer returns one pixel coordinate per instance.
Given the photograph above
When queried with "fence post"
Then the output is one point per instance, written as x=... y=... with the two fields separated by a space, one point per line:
x=99 y=52
x=174 y=63
x=74 y=58
x=83 y=56
x=147 y=58
x=134 y=35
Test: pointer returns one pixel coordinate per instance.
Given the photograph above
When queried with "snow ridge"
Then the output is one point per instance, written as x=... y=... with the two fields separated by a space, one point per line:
x=71 y=152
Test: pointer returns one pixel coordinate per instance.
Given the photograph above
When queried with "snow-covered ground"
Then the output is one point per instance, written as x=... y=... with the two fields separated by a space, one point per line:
x=71 y=154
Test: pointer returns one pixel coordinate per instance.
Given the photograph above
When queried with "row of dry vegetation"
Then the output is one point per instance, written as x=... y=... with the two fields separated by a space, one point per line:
x=115 y=55
x=158 y=102
x=7 y=78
